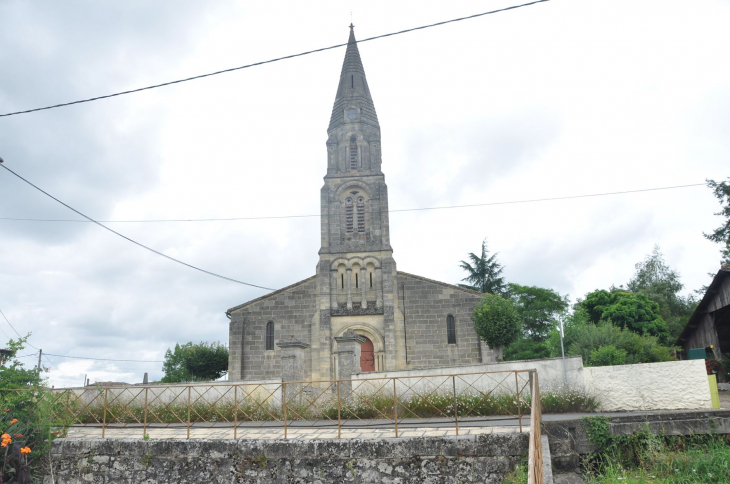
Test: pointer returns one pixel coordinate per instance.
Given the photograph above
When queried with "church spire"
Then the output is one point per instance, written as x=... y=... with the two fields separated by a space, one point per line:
x=353 y=103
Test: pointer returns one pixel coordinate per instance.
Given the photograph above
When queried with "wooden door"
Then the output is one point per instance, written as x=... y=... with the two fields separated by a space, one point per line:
x=367 y=356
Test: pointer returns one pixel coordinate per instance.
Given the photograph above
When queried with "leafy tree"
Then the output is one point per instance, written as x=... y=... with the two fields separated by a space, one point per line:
x=655 y=279
x=635 y=312
x=538 y=309
x=496 y=321
x=195 y=362
x=485 y=273
x=721 y=235
x=526 y=349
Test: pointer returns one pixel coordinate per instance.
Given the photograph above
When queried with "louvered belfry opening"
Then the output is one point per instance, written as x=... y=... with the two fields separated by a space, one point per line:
x=353 y=154
x=360 y=215
x=348 y=215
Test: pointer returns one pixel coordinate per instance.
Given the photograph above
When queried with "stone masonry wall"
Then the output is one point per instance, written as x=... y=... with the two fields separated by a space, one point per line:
x=430 y=460
x=427 y=304
x=291 y=309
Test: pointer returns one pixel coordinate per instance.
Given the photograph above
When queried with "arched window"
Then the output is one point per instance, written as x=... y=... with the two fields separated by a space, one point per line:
x=361 y=214
x=270 y=336
x=353 y=153
x=451 y=329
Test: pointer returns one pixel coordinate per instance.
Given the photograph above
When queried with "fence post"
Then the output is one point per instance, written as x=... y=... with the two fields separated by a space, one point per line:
x=235 y=412
x=103 y=425
x=283 y=402
x=456 y=405
x=519 y=404
x=395 y=408
x=68 y=409
x=189 y=392
x=144 y=432
x=339 y=416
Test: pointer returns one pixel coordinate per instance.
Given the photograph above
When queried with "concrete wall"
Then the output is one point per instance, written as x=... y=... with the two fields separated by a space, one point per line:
x=219 y=393
x=427 y=304
x=550 y=374
x=291 y=309
x=672 y=385
x=483 y=458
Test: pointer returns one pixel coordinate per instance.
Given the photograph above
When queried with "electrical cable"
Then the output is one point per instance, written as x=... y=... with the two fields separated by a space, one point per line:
x=103 y=359
x=55 y=366
x=130 y=240
x=16 y=332
x=511 y=202
x=273 y=60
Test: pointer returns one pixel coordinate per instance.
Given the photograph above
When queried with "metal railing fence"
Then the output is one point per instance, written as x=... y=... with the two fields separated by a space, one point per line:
x=398 y=403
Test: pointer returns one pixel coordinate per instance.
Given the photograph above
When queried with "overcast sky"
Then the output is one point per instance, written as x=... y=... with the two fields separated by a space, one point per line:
x=567 y=97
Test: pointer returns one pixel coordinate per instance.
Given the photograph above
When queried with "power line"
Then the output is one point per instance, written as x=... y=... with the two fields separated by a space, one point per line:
x=103 y=359
x=511 y=202
x=273 y=60
x=16 y=332
x=132 y=241
x=56 y=367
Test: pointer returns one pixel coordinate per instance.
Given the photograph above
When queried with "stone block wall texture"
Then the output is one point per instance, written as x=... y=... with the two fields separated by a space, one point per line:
x=672 y=385
x=483 y=458
x=427 y=303
x=291 y=309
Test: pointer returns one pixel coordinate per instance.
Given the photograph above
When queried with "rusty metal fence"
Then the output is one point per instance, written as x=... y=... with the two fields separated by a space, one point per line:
x=395 y=403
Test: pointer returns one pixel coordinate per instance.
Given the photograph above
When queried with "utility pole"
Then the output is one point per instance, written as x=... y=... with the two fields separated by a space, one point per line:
x=562 y=349
x=40 y=357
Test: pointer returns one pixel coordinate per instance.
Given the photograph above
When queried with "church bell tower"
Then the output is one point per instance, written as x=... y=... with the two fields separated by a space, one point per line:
x=356 y=273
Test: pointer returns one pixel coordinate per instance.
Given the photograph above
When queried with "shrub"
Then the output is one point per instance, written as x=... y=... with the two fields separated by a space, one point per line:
x=607 y=356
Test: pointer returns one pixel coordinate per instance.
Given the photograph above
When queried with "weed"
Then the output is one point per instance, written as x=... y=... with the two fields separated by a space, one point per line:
x=351 y=466
x=146 y=437
x=145 y=461
x=260 y=460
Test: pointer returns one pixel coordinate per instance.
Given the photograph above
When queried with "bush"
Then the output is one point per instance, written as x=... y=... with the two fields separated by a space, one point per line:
x=607 y=356
x=526 y=349
x=639 y=349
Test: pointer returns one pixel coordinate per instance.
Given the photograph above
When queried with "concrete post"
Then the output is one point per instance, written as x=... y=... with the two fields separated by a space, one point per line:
x=292 y=365
x=348 y=360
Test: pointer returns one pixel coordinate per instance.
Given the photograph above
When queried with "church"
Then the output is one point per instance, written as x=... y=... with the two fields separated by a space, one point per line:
x=403 y=321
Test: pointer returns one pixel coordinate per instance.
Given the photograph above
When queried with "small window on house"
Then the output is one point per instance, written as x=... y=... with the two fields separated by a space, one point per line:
x=348 y=215
x=361 y=214
x=451 y=329
x=270 y=336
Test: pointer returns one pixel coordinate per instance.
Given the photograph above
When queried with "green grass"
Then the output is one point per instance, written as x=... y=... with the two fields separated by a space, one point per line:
x=647 y=458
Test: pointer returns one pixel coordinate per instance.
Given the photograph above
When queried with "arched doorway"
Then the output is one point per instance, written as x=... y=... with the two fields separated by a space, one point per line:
x=367 y=356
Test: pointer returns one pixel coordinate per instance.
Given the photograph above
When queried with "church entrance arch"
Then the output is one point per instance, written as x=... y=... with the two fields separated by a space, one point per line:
x=367 y=356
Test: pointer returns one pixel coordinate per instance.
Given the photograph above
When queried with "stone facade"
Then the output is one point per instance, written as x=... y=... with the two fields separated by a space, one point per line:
x=357 y=288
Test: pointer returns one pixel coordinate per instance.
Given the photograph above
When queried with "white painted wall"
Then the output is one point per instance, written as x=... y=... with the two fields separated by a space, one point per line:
x=671 y=385
x=218 y=392
x=550 y=374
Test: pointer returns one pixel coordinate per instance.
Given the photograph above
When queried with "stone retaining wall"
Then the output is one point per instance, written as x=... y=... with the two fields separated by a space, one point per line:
x=483 y=458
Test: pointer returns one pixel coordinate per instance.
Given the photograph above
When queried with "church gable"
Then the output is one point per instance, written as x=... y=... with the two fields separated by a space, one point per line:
x=258 y=326
x=438 y=323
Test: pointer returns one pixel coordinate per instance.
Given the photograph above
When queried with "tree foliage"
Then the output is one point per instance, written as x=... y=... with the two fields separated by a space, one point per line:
x=538 y=309
x=526 y=349
x=656 y=280
x=484 y=272
x=721 y=235
x=496 y=320
x=635 y=312
x=586 y=339
x=195 y=362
